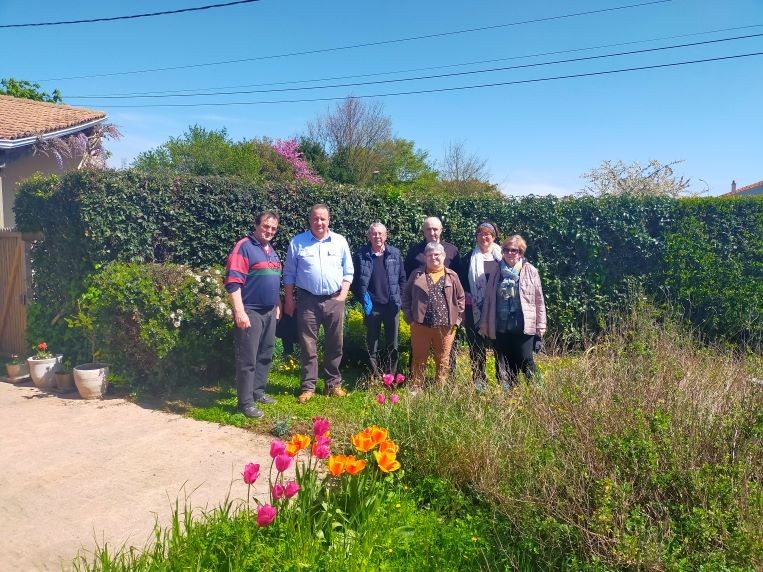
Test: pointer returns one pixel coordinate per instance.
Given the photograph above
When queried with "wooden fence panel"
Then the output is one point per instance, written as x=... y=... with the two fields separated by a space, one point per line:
x=13 y=293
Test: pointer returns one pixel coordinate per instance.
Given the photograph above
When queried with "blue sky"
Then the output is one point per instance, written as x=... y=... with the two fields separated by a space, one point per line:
x=537 y=137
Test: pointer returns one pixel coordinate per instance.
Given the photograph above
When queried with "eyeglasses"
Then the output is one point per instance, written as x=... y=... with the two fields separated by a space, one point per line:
x=510 y=250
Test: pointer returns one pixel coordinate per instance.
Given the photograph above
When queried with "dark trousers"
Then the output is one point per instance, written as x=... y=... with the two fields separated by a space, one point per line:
x=389 y=317
x=513 y=353
x=312 y=313
x=477 y=348
x=254 y=355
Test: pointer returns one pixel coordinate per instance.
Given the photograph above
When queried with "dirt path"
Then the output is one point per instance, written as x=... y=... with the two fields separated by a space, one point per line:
x=74 y=472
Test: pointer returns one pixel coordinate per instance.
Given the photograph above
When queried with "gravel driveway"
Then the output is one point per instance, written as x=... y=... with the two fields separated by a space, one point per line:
x=74 y=472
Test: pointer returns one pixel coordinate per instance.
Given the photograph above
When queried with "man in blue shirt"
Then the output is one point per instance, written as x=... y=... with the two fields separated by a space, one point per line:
x=317 y=276
x=253 y=280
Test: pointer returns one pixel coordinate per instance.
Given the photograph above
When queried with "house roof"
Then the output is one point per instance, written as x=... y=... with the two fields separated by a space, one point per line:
x=743 y=189
x=22 y=121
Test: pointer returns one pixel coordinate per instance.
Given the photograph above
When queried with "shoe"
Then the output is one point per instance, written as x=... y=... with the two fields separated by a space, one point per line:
x=305 y=396
x=337 y=391
x=415 y=389
x=252 y=412
x=267 y=400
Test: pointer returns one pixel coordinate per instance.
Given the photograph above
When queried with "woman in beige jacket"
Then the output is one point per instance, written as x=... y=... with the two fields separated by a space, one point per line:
x=433 y=304
x=514 y=313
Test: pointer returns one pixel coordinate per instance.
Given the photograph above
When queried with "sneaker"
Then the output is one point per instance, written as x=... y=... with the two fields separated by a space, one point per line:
x=266 y=399
x=415 y=389
x=337 y=391
x=305 y=396
x=252 y=412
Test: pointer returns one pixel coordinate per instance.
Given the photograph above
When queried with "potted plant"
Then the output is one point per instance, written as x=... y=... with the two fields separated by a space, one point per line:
x=64 y=379
x=16 y=367
x=91 y=378
x=42 y=365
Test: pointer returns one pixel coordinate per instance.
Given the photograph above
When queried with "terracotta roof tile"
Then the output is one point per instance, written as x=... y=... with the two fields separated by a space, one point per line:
x=741 y=189
x=21 y=118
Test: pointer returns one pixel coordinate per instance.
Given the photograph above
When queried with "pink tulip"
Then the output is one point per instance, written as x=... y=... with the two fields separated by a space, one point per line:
x=283 y=462
x=321 y=426
x=399 y=378
x=266 y=514
x=380 y=399
x=387 y=379
x=277 y=448
x=292 y=488
x=251 y=473
x=394 y=398
x=278 y=491
x=322 y=452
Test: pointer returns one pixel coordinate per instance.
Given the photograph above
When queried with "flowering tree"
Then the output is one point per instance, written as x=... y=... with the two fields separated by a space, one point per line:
x=88 y=148
x=289 y=150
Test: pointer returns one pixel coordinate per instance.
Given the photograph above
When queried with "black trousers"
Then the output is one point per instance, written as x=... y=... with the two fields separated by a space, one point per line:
x=513 y=353
x=389 y=317
x=477 y=348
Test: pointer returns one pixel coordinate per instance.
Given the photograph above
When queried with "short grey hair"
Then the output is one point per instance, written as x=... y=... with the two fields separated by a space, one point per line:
x=434 y=247
x=432 y=218
x=376 y=225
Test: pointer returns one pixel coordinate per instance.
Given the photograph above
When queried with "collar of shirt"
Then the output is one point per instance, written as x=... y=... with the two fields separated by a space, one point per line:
x=380 y=253
x=326 y=238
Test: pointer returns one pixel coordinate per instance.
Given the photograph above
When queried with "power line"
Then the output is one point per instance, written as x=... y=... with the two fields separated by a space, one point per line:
x=131 y=17
x=428 y=68
x=363 y=45
x=419 y=78
x=444 y=89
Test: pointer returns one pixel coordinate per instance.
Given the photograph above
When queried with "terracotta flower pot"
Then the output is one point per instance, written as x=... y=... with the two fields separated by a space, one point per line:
x=64 y=381
x=91 y=380
x=42 y=371
x=16 y=370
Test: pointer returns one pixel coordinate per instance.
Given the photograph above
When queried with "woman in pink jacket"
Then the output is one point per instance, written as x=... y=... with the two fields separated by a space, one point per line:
x=514 y=313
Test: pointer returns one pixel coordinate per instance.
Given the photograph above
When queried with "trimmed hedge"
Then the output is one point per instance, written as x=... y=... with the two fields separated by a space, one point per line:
x=704 y=254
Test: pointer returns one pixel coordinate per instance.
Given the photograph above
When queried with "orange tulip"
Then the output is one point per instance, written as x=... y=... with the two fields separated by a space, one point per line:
x=354 y=466
x=387 y=462
x=301 y=441
x=378 y=434
x=388 y=447
x=336 y=464
x=363 y=441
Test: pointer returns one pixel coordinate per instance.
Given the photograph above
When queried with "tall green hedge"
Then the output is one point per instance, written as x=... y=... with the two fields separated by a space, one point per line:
x=706 y=255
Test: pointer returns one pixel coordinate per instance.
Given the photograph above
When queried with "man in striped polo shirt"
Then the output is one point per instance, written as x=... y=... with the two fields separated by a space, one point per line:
x=253 y=280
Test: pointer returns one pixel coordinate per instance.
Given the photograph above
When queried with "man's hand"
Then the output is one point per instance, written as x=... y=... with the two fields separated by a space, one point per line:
x=278 y=311
x=289 y=305
x=242 y=320
x=341 y=297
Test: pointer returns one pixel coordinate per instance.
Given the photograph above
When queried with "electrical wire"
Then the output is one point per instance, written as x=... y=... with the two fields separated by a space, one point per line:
x=363 y=45
x=428 y=68
x=131 y=17
x=420 y=78
x=444 y=89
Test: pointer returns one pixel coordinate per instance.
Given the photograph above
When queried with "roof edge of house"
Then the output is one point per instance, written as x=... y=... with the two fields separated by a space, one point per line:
x=24 y=141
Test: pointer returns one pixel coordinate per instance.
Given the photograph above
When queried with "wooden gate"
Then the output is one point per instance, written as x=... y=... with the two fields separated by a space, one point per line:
x=13 y=293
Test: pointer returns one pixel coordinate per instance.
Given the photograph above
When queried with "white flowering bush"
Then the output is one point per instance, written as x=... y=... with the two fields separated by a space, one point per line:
x=158 y=324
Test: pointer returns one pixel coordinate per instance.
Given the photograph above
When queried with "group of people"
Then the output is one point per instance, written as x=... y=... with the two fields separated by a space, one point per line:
x=494 y=292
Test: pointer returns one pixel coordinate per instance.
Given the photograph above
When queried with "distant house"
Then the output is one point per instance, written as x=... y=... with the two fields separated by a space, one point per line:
x=24 y=123
x=749 y=190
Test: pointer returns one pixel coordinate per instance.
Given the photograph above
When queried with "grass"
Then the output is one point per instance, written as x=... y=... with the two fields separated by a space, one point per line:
x=643 y=453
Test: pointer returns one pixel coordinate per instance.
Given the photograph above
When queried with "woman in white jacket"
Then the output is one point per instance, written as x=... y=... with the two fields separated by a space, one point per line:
x=514 y=313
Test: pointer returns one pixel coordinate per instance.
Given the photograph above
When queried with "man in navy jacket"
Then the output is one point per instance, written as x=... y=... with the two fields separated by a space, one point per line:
x=379 y=280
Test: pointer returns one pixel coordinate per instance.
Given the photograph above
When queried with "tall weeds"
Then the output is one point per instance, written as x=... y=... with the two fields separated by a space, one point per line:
x=645 y=452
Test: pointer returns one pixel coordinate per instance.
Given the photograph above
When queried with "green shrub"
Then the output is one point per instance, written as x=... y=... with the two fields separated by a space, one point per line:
x=157 y=324
x=704 y=254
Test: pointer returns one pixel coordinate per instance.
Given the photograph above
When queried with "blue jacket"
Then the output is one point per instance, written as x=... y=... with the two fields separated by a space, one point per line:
x=364 y=267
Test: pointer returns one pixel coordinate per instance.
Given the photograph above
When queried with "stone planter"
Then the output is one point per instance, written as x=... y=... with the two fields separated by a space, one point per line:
x=42 y=370
x=16 y=370
x=90 y=379
x=64 y=381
